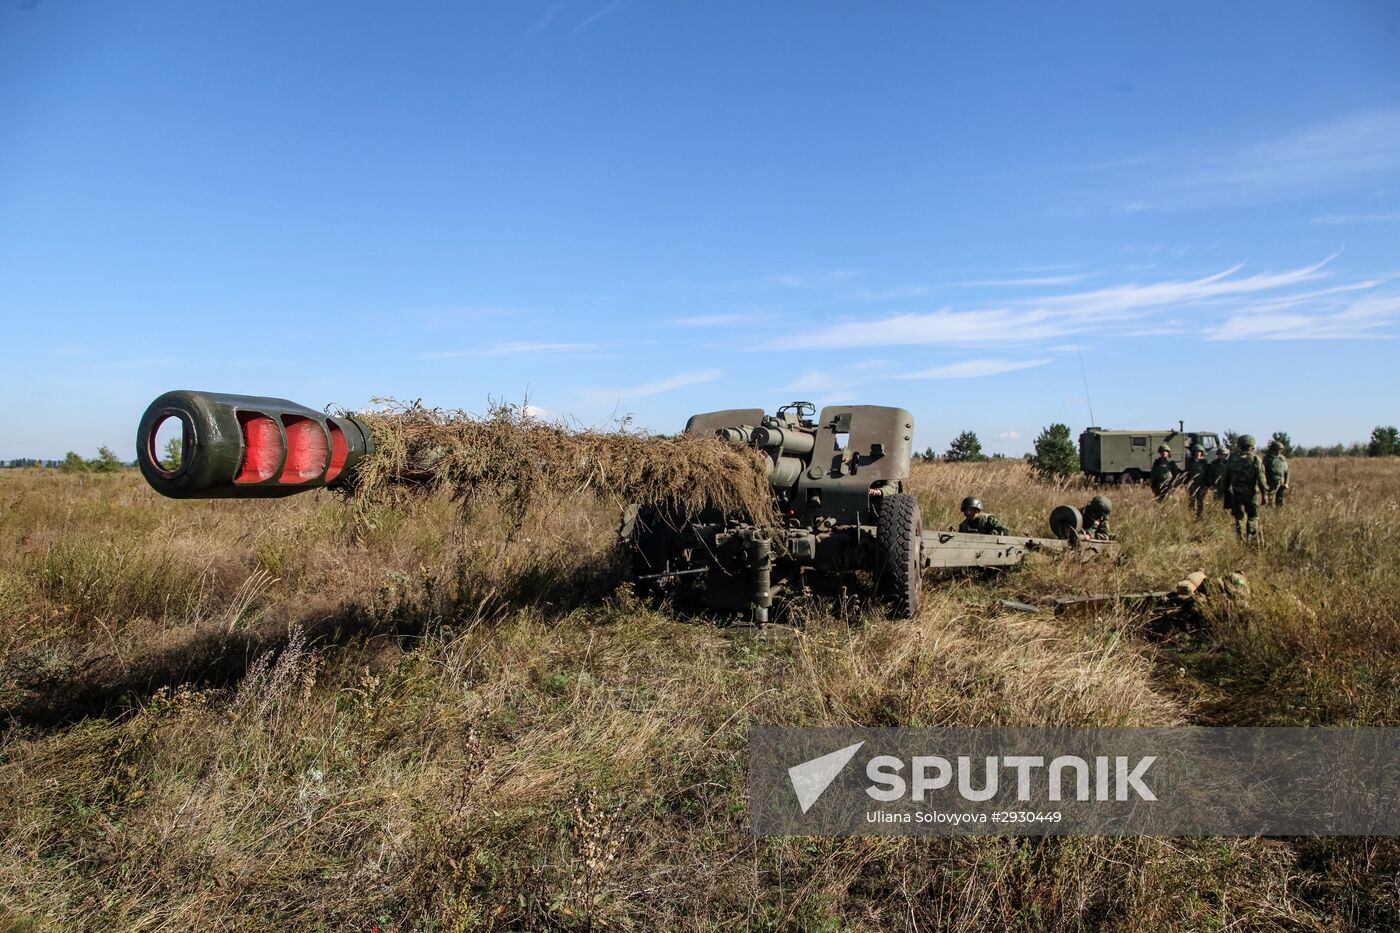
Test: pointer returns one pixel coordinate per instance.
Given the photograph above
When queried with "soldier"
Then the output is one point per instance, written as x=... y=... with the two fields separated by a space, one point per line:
x=1164 y=471
x=1198 y=476
x=1216 y=473
x=1246 y=485
x=1276 y=472
x=1096 y=517
x=977 y=522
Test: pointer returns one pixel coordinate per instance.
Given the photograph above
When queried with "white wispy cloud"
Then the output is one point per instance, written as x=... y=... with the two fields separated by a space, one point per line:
x=815 y=381
x=1309 y=297
x=711 y=320
x=1122 y=299
x=810 y=279
x=1033 y=320
x=678 y=381
x=510 y=348
x=1022 y=282
x=1344 y=153
x=592 y=20
x=1383 y=217
x=1009 y=436
x=909 y=292
x=945 y=326
x=1371 y=317
x=542 y=21
x=847 y=376
x=972 y=369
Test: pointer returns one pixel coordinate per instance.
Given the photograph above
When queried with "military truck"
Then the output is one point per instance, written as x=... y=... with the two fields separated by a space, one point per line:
x=1125 y=456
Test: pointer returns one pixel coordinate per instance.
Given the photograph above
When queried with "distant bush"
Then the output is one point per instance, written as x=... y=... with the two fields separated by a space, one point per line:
x=1385 y=442
x=106 y=461
x=965 y=447
x=1055 y=457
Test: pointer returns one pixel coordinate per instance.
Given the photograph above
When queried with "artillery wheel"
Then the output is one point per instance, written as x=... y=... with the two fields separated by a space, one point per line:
x=1066 y=522
x=899 y=536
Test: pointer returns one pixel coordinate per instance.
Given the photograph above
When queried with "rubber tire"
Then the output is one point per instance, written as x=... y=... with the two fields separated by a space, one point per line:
x=899 y=535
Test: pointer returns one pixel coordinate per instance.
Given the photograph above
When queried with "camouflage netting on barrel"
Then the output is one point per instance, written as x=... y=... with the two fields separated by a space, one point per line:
x=518 y=460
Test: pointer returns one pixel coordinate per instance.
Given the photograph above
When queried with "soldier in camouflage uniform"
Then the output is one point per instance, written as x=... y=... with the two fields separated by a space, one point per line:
x=1096 y=517
x=1247 y=486
x=1276 y=473
x=977 y=522
x=1216 y=472
x=1164 y=471
x=1198 y=478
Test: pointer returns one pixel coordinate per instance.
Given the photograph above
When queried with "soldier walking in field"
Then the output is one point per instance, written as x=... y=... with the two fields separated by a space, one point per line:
x=1276 y=472
x=1165 y=470
x=1246 y=484
x=977 y=522
x=1198 y=476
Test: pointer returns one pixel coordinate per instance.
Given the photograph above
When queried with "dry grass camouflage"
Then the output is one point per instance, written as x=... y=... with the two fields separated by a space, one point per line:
x=511 y=456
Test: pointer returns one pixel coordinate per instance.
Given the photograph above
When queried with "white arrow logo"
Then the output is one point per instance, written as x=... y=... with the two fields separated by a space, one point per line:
x=811 y=778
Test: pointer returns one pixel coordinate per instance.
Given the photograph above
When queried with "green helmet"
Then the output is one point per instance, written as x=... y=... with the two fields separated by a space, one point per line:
x=1275 y=445
x=971 y=502
x=1222 y=451
x=1100 y=505
x=1245 y=442
x=1164 y=449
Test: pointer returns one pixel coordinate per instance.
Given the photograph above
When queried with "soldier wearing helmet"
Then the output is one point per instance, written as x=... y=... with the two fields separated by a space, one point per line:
x=1198 y=476
x=1246 y=484
x=977 y=522
x=1217 y=466
x=1276 y=473
x=1096 y=517
x=1165 y=470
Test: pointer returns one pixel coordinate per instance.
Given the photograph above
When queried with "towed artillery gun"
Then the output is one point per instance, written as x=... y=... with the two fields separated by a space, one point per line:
x=839 y=483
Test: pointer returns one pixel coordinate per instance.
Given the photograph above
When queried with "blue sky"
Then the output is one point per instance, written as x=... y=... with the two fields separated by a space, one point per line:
x=624 y=207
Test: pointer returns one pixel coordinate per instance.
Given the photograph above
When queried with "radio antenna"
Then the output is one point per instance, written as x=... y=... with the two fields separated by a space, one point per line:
x=1083 y=374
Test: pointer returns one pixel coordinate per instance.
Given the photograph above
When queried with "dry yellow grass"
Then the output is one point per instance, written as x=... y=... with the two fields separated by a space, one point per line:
x=297 y=714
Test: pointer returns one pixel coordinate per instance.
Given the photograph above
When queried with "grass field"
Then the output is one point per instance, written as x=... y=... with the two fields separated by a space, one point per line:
x=300 y=714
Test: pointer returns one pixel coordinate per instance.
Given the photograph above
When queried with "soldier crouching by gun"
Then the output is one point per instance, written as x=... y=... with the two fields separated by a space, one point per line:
x=1096 y=518
x=977 y=522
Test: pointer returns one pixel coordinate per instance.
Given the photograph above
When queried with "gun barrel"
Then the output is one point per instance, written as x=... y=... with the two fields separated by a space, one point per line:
x=247 y=447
